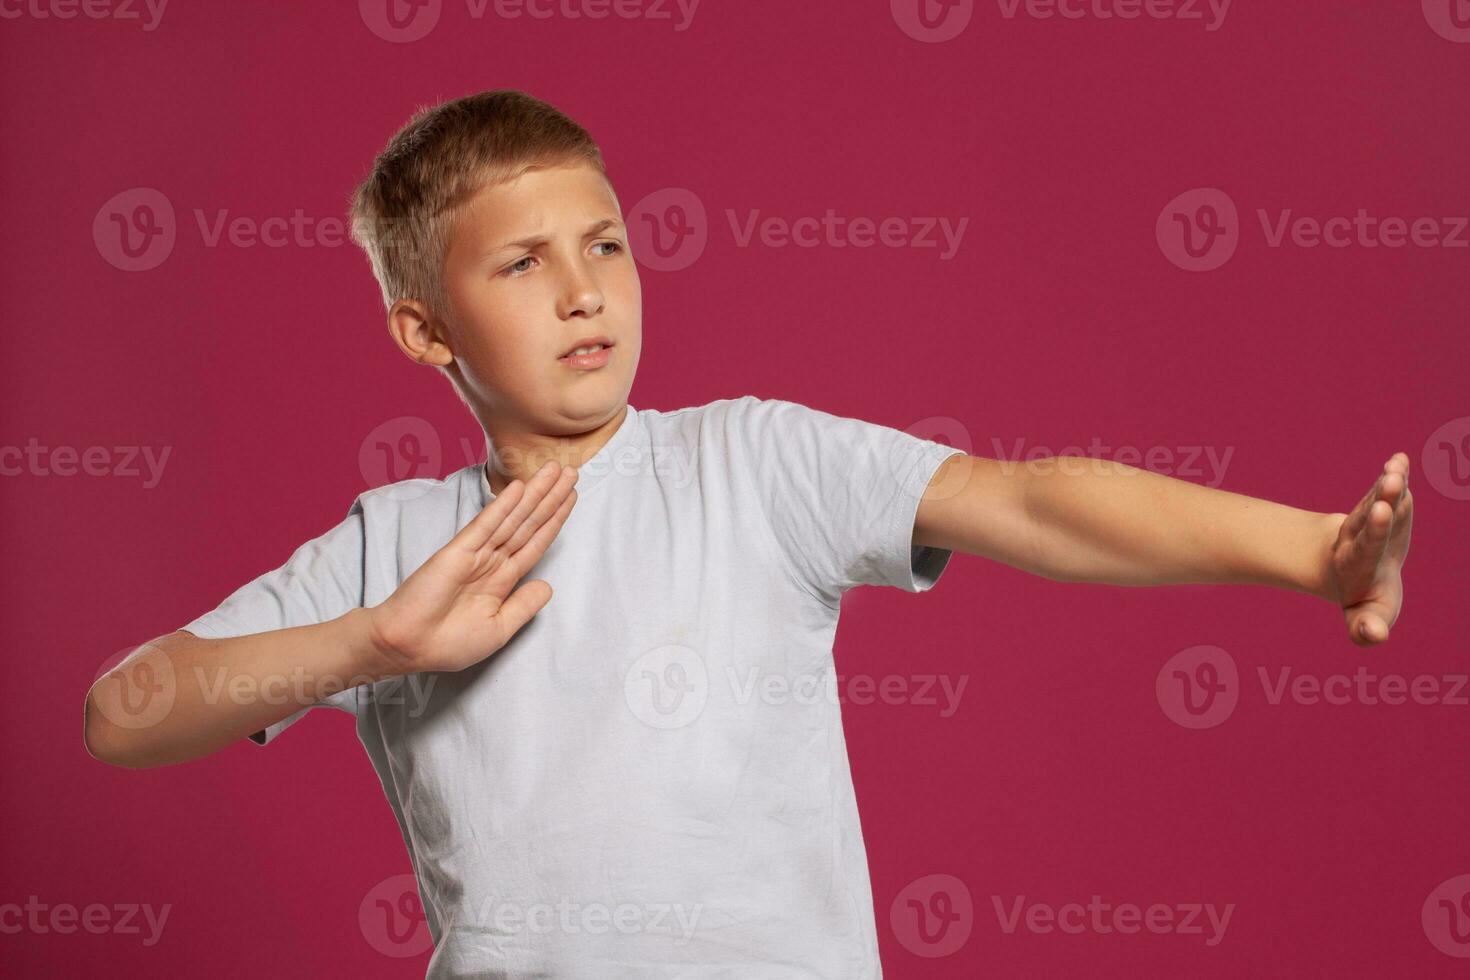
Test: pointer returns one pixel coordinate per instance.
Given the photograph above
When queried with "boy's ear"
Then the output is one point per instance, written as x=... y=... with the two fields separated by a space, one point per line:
x=419 y=335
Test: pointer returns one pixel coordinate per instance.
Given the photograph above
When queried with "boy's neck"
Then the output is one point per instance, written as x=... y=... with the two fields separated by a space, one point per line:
x=518 y=455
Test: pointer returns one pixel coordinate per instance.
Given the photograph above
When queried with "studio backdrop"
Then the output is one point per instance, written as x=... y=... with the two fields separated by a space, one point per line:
x=1223 y=241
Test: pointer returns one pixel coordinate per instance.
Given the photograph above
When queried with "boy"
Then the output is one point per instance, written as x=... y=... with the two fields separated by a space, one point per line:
x=605 y=757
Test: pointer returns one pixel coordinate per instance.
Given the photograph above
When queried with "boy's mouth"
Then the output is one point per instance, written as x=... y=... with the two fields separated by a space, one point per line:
x=590 y=352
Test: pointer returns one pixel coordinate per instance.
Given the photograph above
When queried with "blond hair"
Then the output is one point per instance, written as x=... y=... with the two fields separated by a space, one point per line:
x=402 y=213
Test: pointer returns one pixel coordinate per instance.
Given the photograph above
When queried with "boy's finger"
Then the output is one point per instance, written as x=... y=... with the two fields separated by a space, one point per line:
x=521 y=605
x=474 y=534
x=1367 y=629
x=1391 y=485
x=530 y=553
x=548 y=506
x=536 y=489
x=1358 y=517
x=502 y=511
x=1373 y=538
x=1359 y=514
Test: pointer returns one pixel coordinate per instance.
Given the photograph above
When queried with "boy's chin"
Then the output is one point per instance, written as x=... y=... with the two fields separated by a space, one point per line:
x=593 y=405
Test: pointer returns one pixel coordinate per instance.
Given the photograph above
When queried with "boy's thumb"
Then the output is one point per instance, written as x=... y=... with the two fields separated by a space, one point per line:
x=523 y=603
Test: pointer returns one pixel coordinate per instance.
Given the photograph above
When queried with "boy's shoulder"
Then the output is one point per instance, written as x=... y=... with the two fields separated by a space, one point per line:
x=421 y=495
x=734 y=408
x=740 y=427
x=716 y=407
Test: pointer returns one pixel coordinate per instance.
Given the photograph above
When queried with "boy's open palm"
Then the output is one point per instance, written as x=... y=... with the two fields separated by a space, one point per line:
x=462 y=604
x=1363 y=572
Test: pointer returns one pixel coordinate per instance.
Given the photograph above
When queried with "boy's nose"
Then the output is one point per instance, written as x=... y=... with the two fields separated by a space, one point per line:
x=585 y=299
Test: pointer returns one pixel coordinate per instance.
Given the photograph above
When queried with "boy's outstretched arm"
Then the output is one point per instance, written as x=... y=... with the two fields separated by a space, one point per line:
x=1079 y=519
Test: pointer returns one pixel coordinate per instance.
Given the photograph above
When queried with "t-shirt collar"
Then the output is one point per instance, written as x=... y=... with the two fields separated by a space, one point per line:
x=594 y=468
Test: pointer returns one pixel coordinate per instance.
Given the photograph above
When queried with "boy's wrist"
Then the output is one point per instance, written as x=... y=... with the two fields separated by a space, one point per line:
x=1325 y=584
x=365 y=650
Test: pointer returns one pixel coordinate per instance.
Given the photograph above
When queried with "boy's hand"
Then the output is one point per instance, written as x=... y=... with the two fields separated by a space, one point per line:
x=458 y=608
x=1365 y=561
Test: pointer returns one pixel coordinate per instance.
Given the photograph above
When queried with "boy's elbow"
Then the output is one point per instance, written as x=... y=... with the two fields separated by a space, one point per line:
x=91 y=737
x=113 y=729
x=100 y=738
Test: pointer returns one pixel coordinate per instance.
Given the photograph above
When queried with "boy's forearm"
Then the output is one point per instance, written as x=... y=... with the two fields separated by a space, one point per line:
x=1101 y=521
x=181 y=697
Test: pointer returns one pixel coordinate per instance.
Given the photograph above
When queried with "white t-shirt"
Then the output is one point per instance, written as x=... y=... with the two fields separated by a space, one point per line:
x=657 y=757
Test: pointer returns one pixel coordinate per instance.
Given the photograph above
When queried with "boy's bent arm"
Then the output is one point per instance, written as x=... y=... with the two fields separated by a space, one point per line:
x=182 y=697
x=1079 y=519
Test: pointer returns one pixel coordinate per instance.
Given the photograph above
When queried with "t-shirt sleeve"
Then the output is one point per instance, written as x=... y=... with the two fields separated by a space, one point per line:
x=321 y=581
x=840 y=494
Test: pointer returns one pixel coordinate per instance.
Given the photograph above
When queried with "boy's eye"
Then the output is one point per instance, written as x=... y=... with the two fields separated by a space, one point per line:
x=515 y=268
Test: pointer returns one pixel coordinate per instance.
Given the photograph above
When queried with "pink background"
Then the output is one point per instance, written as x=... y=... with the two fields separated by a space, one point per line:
x=1060 y=320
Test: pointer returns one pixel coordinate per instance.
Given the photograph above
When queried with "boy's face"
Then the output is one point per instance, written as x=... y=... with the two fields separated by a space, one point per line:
x=533 y=267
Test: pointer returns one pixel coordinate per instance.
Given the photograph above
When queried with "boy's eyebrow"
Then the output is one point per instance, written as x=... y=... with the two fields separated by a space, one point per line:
x=535 y=240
